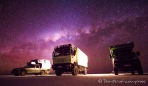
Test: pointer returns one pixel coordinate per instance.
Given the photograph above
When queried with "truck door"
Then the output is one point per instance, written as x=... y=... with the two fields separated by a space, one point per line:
x=37 y=69
x=30 y=69
x=73 y=53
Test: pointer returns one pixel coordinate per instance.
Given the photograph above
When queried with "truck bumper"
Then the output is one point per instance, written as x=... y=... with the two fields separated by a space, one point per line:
x=63 y=67
x=15 y=71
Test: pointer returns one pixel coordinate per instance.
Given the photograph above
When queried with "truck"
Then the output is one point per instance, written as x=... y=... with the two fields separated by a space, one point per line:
x=36 y=66
x=125 y=59
x=69 y=58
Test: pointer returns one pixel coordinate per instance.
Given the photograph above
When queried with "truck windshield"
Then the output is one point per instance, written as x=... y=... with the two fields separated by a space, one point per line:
x=29 y=66
x=61 y=52
x=123 y=52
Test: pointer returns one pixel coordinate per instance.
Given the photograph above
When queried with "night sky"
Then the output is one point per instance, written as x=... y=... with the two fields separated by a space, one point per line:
x=30 y=29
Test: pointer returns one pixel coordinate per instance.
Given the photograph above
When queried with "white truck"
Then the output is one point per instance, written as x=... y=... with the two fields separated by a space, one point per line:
x=68 y=58
x=36 y=66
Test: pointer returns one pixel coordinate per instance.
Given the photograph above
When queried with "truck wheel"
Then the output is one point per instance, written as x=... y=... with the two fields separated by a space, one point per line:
x=133 y=69
x=16 y=74
x=42 y=72
x=47 y=72
x=140 y=70
x=132 y=72
x=75 y=71
x=58 y=72
x=85 y=71
x=116 y=71
x=23 y=73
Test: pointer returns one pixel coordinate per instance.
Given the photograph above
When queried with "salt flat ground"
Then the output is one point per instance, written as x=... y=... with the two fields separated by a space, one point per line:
x=80 y=80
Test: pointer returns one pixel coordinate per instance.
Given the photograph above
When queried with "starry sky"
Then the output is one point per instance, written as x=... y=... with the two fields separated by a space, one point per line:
x=30 y=29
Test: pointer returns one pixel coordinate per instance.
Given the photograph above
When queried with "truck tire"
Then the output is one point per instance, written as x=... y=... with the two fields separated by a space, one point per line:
x=75 y=71
x=58 y=72
x=85 y=71
x=132 y=72
x=23 y=73
x=116 y=71
x=133 y=69
x=47 y=72
x=42 y=72
x=140 y=70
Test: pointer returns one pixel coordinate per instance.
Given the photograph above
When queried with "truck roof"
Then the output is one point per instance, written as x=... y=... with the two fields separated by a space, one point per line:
x=38 y=59
x=64 y=45
x=122 y=46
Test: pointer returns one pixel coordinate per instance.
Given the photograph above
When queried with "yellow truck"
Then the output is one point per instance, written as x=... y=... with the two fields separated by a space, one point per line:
x=68 y=58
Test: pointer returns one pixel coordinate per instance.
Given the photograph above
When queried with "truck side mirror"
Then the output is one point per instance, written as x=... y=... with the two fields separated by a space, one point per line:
x=74 y=52
x=138 y=53
x=110 y=56
x=53 y=54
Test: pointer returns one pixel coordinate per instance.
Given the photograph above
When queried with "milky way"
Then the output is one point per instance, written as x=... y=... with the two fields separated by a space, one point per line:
x=30 y=29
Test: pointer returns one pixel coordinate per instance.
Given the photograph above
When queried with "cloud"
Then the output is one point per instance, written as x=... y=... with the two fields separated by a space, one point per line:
x=54 y=37
x=59 y=34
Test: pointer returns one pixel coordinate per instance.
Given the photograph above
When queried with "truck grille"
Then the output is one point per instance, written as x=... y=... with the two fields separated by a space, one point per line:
x=61 y=60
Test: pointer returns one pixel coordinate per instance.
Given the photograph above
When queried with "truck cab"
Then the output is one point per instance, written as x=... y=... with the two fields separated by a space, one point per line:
x=68 y=58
